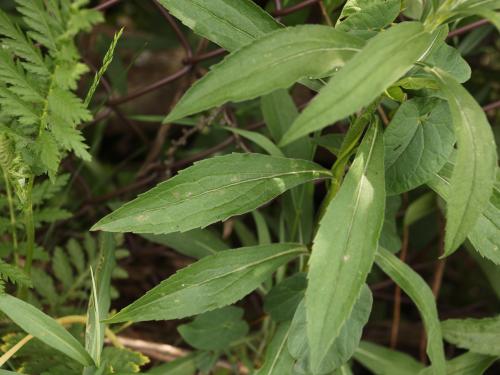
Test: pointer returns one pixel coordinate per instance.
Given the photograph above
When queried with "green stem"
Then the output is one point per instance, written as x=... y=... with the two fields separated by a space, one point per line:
x=30 y=233
x=13 y=221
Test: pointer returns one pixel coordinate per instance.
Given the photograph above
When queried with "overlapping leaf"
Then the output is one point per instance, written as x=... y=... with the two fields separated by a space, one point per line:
x=420 y=293
x=418 y=142
x=44 y=328
x=274 y=61
x=344 y=247
x=475 y=165
x=383 y=60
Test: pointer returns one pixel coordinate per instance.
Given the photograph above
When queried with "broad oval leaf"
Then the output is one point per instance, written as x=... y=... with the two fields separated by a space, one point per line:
x=418 y=142
x=276 y=60
x=344 y=247
x=227 y=23
x=475 y=164
x=278 y=360
x=209 y=191
x=366 y=17
x=383 y=361
x=215 y=330
x=384 y=59
x=477 y=335
x=420 y=293
x=210 y=283
x=44 y=328
x=282 y=300
x=448 y=59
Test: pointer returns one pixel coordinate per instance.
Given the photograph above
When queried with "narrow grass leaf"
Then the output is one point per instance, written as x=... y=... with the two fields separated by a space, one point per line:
x=383 y=361
x=278 y=360
x=44 y=328
x=420 y=293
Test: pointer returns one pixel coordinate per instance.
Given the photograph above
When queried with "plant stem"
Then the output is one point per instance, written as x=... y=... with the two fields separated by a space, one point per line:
x=12 y=214
x=30 y=233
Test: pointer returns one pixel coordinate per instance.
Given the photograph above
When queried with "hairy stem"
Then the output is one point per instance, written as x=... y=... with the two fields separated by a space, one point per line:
x=30 y=233
x=13 y=221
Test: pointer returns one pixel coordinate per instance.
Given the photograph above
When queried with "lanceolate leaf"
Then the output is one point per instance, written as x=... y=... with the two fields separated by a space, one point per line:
x=465 y=364
x=384 y=361
x=274 y=61
x=420 y=293
x=342 y=349
x=43 y=328
x=418 y=142
x=211 y=190
x=475 y=166
x=345 y=246
x=230 y=24
x=477 y=335
x=485 y=236
x=278 y=360
x=212 y=282
x=383 y=60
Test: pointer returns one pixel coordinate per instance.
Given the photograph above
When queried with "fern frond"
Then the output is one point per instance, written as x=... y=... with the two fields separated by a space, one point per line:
x=13 y=74
x=17 y=108
x=47 y=189
x=44 y=26
x=51 y=215
x=47 y=149
x=68 y=107
x=14 y=275
x=21 y=46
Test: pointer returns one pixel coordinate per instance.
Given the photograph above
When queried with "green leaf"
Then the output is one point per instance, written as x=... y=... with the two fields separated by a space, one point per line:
x=43 y=328
x=477 y=335
x=389 y=237
x=419 y=208
x=122 y=360
x=450 y=60
x=213 y=282
x=62 y=268
x=260 y=140
x=485 y=236
x=490 y=270
x=383 y=60
x=281 y=302
x=465 y=364
x=344 y=247
x=100 y=299
x=279 y=111
x=196 y=243
x=285 y=56
x=420 y=293
x=339 y=351
x=49 y=153
x=475 y=166
x=278 y=360
x=229 y=24
x=211 y=190
x=215 y=330
x=418 y=142
x=180 y=366
x=383 y=361
x=368 y=15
